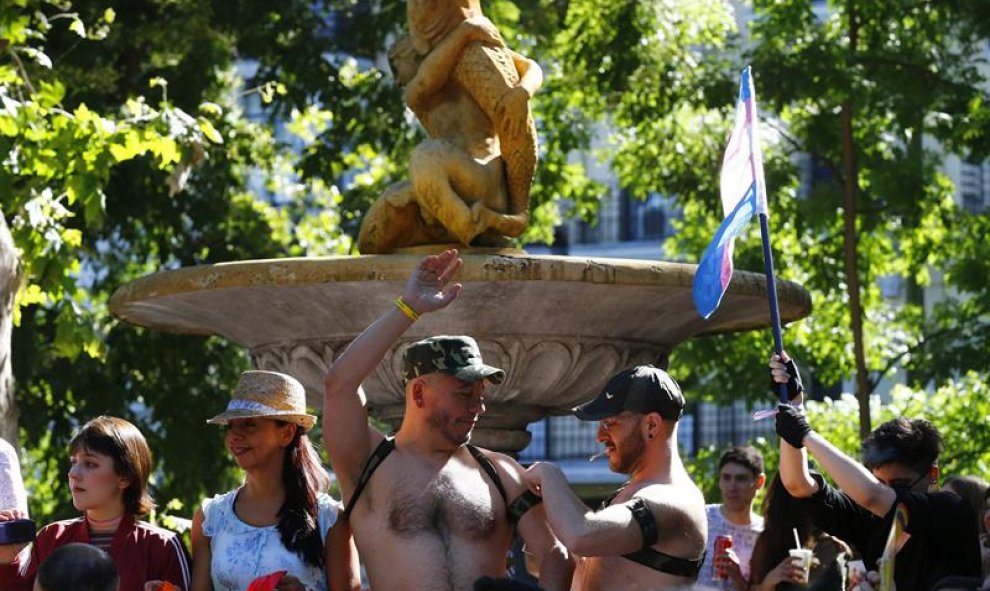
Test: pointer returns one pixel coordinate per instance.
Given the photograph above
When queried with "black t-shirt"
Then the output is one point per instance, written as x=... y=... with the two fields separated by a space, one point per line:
x=943 y=542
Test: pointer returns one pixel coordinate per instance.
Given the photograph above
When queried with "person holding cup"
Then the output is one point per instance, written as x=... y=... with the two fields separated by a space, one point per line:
x=801 y=559
x=900 y=470
x=791 y=553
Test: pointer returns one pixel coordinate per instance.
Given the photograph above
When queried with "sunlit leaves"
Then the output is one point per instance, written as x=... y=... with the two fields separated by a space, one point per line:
x=102 y=185
x=906 y=88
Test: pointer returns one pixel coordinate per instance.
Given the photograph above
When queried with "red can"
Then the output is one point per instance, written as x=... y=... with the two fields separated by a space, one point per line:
x=722 y=543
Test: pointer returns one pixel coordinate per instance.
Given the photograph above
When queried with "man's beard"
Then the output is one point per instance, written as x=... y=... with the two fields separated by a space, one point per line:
x=441 y=422
x=629 y=453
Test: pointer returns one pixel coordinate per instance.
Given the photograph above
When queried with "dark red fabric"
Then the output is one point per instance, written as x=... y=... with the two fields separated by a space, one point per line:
x=141 y=552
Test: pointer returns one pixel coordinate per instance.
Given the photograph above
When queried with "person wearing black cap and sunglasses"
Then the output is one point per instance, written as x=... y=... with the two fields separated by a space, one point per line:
x=428 y=509
x=651 y=533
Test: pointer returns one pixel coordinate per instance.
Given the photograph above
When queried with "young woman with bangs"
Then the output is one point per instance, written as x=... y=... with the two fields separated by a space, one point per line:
x=108 y=477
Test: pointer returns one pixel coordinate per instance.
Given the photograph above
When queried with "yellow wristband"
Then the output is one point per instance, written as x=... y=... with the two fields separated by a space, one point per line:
x=406 y=309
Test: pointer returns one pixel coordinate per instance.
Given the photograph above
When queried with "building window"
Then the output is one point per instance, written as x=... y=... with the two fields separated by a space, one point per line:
x=974 y=186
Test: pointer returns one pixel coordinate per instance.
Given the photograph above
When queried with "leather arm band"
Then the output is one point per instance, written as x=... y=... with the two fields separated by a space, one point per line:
x=644 y=518
x=523 y=504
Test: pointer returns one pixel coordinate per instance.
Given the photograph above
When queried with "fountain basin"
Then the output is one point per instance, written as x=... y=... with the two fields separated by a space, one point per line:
x=559 y=326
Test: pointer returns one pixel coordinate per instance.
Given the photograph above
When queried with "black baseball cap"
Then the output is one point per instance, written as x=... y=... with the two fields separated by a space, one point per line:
x=641 y=389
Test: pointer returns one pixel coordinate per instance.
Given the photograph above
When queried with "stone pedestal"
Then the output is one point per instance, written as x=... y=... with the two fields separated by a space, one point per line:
x=559 y=326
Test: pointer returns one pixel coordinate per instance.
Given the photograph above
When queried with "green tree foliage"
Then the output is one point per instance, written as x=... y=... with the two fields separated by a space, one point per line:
x=128 y=150
x=862 y=90
x=914 y=76
x=175 y=191
x=173 y=133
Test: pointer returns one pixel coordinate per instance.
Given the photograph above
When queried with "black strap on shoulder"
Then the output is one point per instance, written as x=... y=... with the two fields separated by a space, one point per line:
x=666 y=563
x=655 y=559
x=523 y=504
x=516 y=509
x=644 y=518
x=486 y=464
x=608 y=500
x=381 y=452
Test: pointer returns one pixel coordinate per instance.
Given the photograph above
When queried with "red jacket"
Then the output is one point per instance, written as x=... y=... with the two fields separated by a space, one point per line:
x=141 y=551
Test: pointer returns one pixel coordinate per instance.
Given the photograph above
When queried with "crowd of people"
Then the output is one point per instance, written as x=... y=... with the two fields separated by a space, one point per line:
x=423 y=508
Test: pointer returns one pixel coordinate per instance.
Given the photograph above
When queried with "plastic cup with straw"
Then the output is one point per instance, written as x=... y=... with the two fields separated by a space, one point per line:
x=801 y=556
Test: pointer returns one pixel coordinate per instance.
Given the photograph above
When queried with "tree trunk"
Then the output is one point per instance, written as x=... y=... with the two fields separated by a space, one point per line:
x=914 y=292
x=850 y=191
x=10 y=277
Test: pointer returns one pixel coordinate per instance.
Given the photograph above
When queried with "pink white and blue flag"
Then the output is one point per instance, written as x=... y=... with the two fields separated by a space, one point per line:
x=743 y=195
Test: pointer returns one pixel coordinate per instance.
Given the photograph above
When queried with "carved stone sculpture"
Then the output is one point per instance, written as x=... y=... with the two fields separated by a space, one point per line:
x=469 y=183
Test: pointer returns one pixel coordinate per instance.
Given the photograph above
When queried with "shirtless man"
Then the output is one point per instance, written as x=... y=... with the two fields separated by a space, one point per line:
x=429 y=511
x=457 y=187
x=651 y=534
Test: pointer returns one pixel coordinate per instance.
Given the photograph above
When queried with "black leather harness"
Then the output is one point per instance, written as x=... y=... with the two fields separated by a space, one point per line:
x=515 y=510
x=646 y=555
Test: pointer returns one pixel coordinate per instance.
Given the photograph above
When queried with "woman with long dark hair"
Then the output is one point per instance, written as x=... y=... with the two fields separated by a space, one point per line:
x=281 y=518
x=772 y=568
x=110 y=464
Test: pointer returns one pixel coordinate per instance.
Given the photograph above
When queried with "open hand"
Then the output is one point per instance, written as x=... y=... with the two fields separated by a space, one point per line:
x=512 y=113
x=429 y=287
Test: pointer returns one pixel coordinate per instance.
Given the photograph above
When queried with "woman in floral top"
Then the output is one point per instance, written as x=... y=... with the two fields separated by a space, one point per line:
x=281 y=518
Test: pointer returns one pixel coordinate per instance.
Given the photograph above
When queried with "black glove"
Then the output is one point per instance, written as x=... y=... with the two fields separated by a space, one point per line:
x=792 y=426
x=794 y=385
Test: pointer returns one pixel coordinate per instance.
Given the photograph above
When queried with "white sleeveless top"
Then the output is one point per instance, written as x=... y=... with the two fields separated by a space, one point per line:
x=242 y=552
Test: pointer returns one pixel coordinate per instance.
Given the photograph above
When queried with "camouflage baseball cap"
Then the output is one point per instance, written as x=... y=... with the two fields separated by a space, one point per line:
x=458 y=356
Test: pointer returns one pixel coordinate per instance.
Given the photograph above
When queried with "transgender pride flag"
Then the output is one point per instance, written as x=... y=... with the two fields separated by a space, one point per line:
x=743 y=195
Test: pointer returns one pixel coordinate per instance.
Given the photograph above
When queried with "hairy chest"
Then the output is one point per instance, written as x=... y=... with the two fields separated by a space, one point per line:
x=452 y=502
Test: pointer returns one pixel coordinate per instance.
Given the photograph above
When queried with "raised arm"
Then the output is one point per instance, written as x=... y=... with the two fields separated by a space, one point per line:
x=437 y=66
x=346 y=433
x=794 y=471
x=852 y=477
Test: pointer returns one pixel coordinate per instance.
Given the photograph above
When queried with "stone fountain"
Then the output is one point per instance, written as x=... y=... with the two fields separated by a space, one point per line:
x=560 y=326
